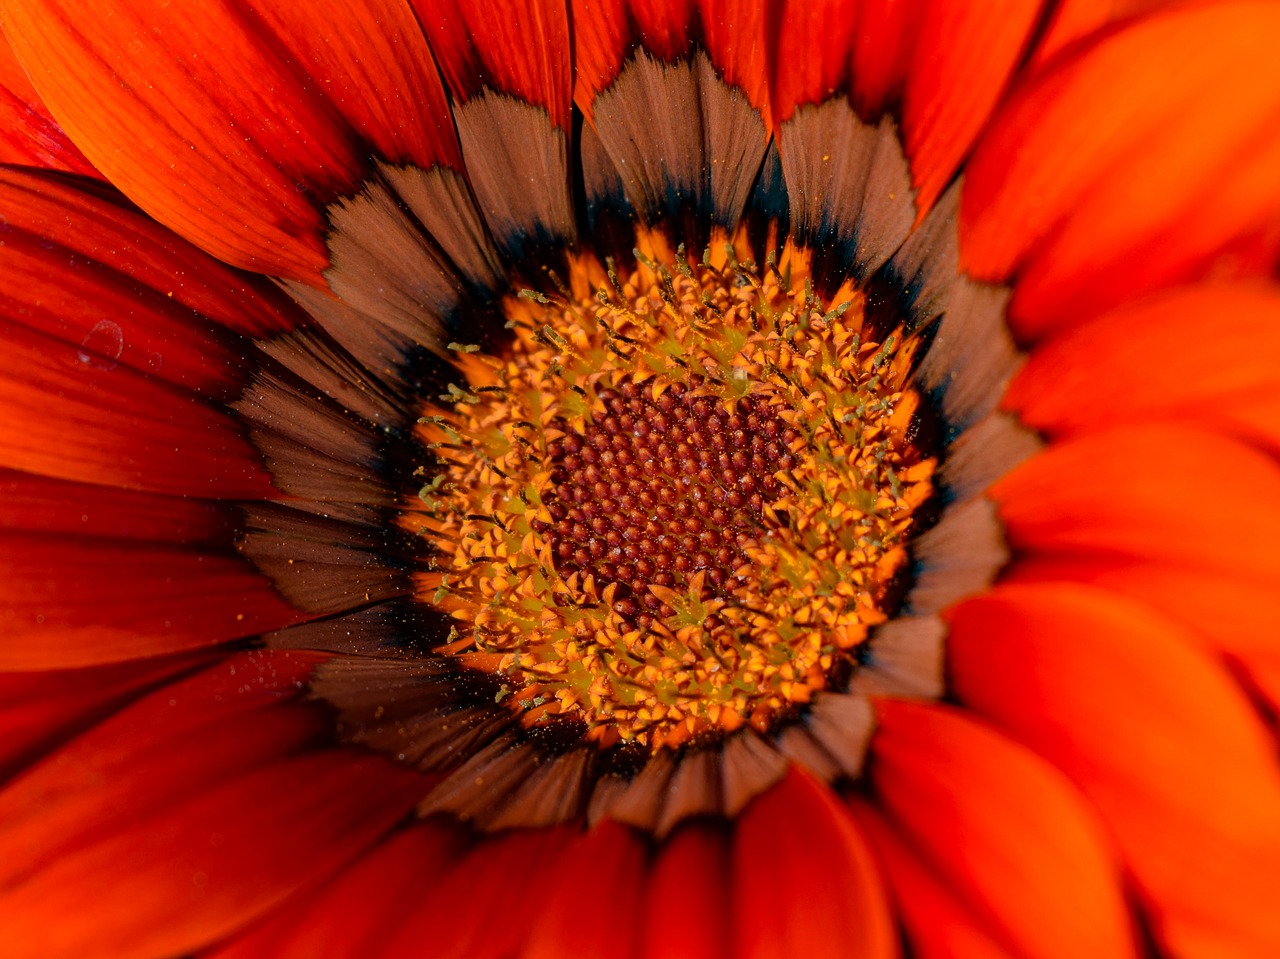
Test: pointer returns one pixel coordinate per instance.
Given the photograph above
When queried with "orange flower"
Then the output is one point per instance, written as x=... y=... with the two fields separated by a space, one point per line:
x=412 y=544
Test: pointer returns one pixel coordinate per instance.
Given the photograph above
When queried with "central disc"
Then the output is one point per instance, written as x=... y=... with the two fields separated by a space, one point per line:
x=675 y=503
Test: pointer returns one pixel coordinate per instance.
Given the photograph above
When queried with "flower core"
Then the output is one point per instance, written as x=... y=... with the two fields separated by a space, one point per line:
x=676 y=502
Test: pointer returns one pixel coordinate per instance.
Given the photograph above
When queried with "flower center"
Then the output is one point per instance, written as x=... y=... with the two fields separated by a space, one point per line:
x=676 y=503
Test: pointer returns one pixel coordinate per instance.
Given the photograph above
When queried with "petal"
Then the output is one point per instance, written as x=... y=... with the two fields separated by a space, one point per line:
x=667 y=124
x=130 y=429
x=804 y=880
x=1234 y=617
x=1158 y=360
x=39 y=711
x=193 y=834
x=355 y=914
x=962 y=61
x=1138 y=492
x=37 y=504
x=1101 y=154
x=457 y=915
x=1158 y=737
x=613 y=855
x=809 y=56
x=240 y=173
x=80 y=264
x=687 y=903
x=74 y=601
x=508 y=67
x=734 y=34
x=520 y=48
x=938 y=924
x=29 y=136
x=884 y=39
x=1002 y=828
x=605 y=33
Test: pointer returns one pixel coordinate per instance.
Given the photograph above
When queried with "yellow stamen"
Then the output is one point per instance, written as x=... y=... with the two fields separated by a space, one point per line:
x=676 y=503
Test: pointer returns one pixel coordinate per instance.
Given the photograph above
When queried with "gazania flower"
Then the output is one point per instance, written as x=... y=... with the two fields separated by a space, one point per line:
x=642 y=479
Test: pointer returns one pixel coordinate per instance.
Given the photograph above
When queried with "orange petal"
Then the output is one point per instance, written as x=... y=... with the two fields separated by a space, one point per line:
x=1074 y=20
x=40 y=711
x=1159 y=738
x=1103 y=151
x=29 y=136
x=1003 y=829
x=519 y=48
x=963 y=59
x=809 y=54
x=355 y=914
x=1163 y=358
x=938 y=925
x=210 y=864
x=687 y=903
x=613 y=856
x=1235 y=617
x=804 y=881
x=180 y=819
x=1141 y=493
x=242 y=174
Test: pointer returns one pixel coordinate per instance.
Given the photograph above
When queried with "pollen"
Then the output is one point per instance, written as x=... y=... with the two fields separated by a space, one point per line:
x=676 y=501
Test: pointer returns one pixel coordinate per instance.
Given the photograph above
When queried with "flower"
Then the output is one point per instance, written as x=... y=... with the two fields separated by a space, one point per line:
x=639 y=479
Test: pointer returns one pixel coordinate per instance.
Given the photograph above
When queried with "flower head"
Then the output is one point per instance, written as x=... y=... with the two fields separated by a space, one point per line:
x=638 y=479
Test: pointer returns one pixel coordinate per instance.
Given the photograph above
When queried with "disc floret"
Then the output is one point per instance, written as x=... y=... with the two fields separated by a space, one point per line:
x=676 y=503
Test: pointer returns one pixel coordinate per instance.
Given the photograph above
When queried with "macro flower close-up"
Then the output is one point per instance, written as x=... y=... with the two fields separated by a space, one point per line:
x=639 y=478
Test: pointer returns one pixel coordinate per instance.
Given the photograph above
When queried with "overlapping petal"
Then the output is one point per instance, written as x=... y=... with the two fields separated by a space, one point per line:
x=1106 y=771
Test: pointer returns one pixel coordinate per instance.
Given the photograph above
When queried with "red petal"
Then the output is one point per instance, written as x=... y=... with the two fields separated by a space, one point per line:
x=804 y=882
x=29 y=136
x=1104 y=153
x=687 y=906
x=37 y=504
x=181 y=819
x=72 y=601
x=459 y=923
x=354 y=915
x=883 y=42
x=734 y=34
x=938 y=925
x=209 y=865
x=71 y=412
x=962 y=61
x=1149 y=361
x=606 y=31
x=809 y=54
x=613 y=856
x=1155 y=733
x=38 y=711
x=520 y=48
x=1001 y=828
x=87 y=268
x=175 y=742
x=258 y=144
x=1135 y=492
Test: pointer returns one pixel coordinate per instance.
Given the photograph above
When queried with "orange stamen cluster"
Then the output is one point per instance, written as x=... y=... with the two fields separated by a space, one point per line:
x=674 y=506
